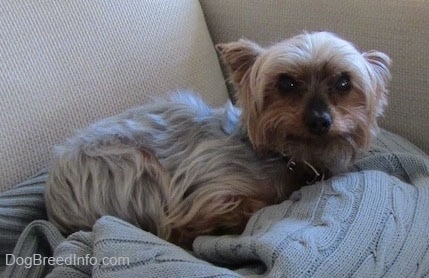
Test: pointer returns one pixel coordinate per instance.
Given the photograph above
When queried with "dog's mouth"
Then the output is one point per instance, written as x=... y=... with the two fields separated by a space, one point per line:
x=311 y=139
x=319 y=151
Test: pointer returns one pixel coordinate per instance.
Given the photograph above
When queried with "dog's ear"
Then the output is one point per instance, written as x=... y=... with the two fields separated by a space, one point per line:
x=239 y=57
x=379 y=64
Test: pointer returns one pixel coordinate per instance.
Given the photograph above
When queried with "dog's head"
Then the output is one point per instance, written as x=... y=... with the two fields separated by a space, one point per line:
x=313 y=97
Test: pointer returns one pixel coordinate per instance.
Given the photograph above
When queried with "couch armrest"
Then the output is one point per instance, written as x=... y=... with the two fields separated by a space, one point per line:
x=67 y=63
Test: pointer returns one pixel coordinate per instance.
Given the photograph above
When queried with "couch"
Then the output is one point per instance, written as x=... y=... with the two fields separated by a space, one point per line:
x=65 y=64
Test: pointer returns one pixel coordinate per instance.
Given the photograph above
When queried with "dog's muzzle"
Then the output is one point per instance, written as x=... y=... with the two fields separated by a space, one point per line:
x=318 y=118
x=319 y=123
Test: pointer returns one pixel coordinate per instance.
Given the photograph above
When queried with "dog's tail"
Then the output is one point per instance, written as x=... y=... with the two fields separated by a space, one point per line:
x=88 y=181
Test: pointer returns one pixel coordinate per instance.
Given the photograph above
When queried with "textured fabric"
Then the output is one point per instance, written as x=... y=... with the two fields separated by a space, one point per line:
x=18 y=208
x=67 y=63
x=398 y=28
x=39 y=237
x=371 y=222
x=112 y=237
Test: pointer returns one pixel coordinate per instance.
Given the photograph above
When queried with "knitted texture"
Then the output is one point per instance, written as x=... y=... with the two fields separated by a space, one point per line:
x=65 y=64
x=370 y=222
x=18 y=208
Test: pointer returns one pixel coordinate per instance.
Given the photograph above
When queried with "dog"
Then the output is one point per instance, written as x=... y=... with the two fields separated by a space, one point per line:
x=179 y=168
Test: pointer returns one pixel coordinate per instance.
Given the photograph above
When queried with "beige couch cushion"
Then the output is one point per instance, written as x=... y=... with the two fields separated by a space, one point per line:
x=67 y=63
x=399 y=28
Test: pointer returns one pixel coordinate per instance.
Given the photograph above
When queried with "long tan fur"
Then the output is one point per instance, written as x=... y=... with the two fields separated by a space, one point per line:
x=179 y=168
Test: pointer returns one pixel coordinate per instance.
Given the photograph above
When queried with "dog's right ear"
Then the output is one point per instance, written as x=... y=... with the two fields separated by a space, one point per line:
x=239 y=57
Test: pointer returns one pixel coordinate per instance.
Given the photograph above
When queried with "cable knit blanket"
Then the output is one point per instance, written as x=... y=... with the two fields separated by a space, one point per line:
x=371 y=222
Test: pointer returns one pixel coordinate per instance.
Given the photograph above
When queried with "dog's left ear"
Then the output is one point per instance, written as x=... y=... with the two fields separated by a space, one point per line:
x=239 y=57
x=379 y=64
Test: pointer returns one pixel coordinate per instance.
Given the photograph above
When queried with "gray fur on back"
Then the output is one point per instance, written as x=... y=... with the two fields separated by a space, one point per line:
x=160 y=166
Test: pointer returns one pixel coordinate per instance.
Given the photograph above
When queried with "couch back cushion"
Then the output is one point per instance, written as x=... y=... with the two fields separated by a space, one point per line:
x=65 y=64
x=398 y=28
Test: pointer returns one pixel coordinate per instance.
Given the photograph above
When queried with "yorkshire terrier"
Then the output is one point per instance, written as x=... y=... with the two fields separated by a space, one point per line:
x=179 y=169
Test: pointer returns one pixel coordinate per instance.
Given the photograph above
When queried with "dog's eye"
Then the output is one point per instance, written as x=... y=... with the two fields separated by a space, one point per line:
x=287 y=84
x=343 y=83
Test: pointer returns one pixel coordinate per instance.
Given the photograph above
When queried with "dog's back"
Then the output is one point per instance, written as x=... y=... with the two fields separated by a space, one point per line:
x=164 y=166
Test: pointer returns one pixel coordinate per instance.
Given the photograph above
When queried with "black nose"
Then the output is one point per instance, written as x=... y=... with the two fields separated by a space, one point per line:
x=319 y=122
